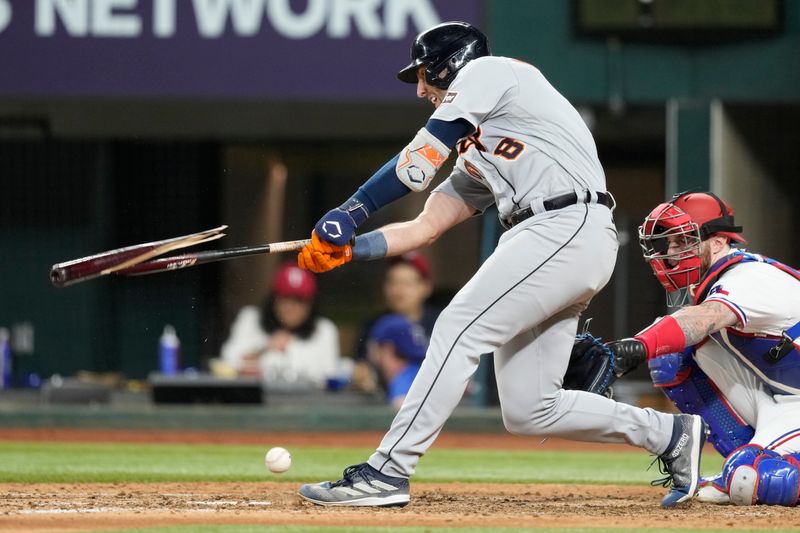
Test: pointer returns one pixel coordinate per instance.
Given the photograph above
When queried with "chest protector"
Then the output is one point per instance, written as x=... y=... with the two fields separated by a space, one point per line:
x=775 y=359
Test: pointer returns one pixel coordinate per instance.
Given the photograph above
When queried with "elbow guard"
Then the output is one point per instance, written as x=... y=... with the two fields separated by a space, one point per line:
x=420 y=160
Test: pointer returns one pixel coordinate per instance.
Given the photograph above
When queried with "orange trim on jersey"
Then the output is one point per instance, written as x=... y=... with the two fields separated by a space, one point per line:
x=472 y=140
x=473 y=171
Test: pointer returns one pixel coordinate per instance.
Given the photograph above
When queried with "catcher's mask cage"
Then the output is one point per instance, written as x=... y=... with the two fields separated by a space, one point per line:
x=671 y=238
x=444 y=50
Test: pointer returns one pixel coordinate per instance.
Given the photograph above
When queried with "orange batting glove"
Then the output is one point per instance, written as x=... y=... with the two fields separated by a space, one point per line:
x=320 y=256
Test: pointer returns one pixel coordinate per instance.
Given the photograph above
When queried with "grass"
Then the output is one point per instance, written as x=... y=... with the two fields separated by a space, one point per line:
x=41 y=462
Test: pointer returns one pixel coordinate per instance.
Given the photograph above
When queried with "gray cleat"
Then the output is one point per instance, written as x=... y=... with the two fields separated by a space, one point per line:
x=681 y=461
x=361 y=485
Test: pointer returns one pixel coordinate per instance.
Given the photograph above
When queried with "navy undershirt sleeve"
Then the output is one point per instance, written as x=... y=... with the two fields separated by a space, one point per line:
x=449 y=132
x=384 y=188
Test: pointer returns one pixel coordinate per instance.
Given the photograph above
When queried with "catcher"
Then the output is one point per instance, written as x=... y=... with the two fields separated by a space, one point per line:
x=732 y=356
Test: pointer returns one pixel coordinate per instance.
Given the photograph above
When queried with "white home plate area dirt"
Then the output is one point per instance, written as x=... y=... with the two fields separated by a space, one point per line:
x=87 y=506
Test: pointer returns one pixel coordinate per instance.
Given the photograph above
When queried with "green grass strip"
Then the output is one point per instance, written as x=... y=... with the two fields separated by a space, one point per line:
x=37 y=462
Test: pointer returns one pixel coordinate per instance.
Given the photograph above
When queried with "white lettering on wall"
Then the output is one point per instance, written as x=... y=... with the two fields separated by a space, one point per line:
x=397 y=13
x=163 y=18
x=74 y=15
x=296 y=25
x=107 y=21
x=364 y=14
x=212 y=16
x=5 y=14
x=339 y=19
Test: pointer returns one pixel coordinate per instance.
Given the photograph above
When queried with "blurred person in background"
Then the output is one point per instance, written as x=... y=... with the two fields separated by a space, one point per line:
x=407 y=285
x=285 y=340
x=396 y=347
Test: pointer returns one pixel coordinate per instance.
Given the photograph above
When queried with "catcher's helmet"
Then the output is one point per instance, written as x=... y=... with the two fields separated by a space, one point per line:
x=685 y=222
x=444 y=50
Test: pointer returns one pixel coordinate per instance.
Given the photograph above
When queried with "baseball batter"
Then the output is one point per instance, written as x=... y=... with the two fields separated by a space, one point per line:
x=523 y=147
x=741 y=371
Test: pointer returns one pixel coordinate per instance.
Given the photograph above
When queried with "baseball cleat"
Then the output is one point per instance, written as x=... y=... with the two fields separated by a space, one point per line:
x=361 y=485
x=681 y=461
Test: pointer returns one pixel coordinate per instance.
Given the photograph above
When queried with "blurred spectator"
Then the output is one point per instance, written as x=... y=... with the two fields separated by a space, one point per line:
x=396 y=347
x=406 y=287
x=285 y=340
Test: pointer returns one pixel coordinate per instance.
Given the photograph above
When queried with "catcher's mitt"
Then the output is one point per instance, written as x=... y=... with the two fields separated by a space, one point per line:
x=591 y=366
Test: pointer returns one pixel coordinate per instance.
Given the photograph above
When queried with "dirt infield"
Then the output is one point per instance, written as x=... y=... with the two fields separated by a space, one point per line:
x=70 y=507
x=94 y=506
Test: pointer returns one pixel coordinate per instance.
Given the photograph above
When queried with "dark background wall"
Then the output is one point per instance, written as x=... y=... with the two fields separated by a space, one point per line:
x=88 y=173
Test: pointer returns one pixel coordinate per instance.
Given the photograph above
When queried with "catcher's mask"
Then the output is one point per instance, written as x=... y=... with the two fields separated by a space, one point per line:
x=444 y=50
x=672 y=233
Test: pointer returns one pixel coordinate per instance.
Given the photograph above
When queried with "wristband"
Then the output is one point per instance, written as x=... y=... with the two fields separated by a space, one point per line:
x=663 y=336
x=370 y=246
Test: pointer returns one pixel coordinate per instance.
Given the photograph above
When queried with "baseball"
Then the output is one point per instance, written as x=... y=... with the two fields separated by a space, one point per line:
x=278 y=460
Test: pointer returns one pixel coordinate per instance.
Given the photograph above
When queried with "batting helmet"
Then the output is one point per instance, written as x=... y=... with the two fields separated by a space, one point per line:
x=671 y=235
x=444 y=50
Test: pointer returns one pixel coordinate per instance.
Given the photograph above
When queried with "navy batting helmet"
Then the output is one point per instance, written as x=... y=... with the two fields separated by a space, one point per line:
x=444 y=50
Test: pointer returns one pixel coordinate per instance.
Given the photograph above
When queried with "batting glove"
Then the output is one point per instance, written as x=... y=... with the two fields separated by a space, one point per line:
x=320 y=256
x=339 y=225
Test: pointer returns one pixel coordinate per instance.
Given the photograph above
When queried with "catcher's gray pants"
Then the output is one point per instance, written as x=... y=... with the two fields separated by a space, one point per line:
x=523 y=304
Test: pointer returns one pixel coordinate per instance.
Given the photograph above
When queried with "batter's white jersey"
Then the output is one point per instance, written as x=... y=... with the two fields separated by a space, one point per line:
x=529 y=141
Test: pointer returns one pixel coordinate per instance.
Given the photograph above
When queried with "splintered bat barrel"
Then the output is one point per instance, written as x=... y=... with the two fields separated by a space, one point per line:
x=175 y=262
x=103 y=263
x=84 y=269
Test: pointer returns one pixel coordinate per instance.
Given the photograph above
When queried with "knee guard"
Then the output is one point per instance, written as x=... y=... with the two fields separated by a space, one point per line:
x=769 y=481
x=690 y=389
x=743 y=456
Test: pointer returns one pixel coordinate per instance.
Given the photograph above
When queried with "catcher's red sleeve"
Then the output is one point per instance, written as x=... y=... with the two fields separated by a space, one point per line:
x=663 y=336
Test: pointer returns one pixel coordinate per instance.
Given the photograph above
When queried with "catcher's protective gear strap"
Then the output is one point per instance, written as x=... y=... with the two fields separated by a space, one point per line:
x=420 y=160
x=370 y=246
x=697 y=395
x=663 y=336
